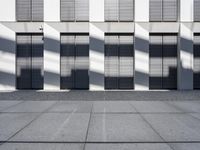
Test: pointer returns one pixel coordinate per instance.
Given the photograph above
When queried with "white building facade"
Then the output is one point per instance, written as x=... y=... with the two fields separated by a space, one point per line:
x=100 y=45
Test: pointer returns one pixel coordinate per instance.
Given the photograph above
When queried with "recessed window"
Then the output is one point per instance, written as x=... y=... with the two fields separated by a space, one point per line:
x=29 y=10
x=119 y=10
x=163 y=10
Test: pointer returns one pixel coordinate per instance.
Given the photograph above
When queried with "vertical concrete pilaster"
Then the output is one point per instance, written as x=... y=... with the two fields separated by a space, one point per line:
x=7 y=10
x=141 y=10
x=7 y=58
x=141 y=56
x=96 y=10
x=185 y=71
x=51 y=58
x=51 y=10
x=96 y=58
x=186 y=10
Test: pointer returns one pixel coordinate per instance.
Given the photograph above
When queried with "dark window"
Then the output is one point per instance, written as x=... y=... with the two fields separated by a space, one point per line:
x=74 y=61
x=163 y=10
x=74 y=10
x=29 y=61
x=29 y=10
x=196 y=10
x=163 y=61
x=119 y=10
x=196 y=61
x=119 y=61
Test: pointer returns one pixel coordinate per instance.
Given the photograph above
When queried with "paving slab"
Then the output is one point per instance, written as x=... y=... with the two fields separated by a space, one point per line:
x=112 y=107
x=120 y=128
x=175 y=127
x=187 y=106
x=185 y=146
x=60 y=127
x=196 y=115
x=71 y=106
x=6 y=104
x=12 y=123
x=31 y=106
x=154 y=107
x=41 y=146
x=119 y=146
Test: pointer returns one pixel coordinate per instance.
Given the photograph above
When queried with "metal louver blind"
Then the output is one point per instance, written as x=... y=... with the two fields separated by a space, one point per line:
x=196 y=10
x=82 y=62
x=82 y=10
x=23 y=62
x=169 y=61
x=111 y=62
x=111 y=10
x=126 y=10
x=155 y=80
x=23 y=10
x=155 y=10
x=67 y=54
x=197 y=61
x=37 y=10
x=37 y=62
x=170 y=10
x=67 y=10
x=126 y=66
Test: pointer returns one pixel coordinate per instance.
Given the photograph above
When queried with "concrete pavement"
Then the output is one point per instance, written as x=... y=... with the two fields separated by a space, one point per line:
x=100 y=125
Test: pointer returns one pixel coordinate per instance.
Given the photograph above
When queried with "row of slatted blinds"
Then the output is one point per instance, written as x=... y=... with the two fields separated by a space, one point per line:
x=119 y=62
x=29 y=10
x=163 y=61
x=74 y=61
x=29 y=61
x=196 y=10
x=74 y=10
x=196 y=61
x=119 y=10
x=163 y=10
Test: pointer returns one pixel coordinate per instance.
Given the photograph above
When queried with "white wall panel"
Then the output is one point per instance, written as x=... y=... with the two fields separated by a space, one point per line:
x=96 y=10
x=142 y=10
x=7 y=10
x=51 y=10
x=186 y=11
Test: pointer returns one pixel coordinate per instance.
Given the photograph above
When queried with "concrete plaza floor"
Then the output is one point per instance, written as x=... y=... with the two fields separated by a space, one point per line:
x=100 y=124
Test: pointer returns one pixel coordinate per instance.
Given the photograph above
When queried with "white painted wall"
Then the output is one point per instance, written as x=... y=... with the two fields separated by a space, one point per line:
x=185 y=71
x=186 y=11
x=141 y=56
x=7 y=58
x=96 y=58
x=96 y=10
x=51 y=58
x=7 y=10
x=142 y=10
x=51 y=10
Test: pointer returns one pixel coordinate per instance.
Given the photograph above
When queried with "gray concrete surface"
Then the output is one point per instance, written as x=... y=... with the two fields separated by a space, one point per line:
x=100 y=95
x=100 y=125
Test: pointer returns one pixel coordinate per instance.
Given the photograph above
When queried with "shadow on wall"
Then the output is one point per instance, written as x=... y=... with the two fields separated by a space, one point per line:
x=7 y=55
x=6 y=49
x=30 y=79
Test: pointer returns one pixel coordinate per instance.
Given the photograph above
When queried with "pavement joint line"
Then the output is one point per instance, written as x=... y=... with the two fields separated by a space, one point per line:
x=100 y=142
x=86 y=137
x=34 y=119
x=101 y=113
x=189 y=114
x=151 y=126
x=1 y=111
